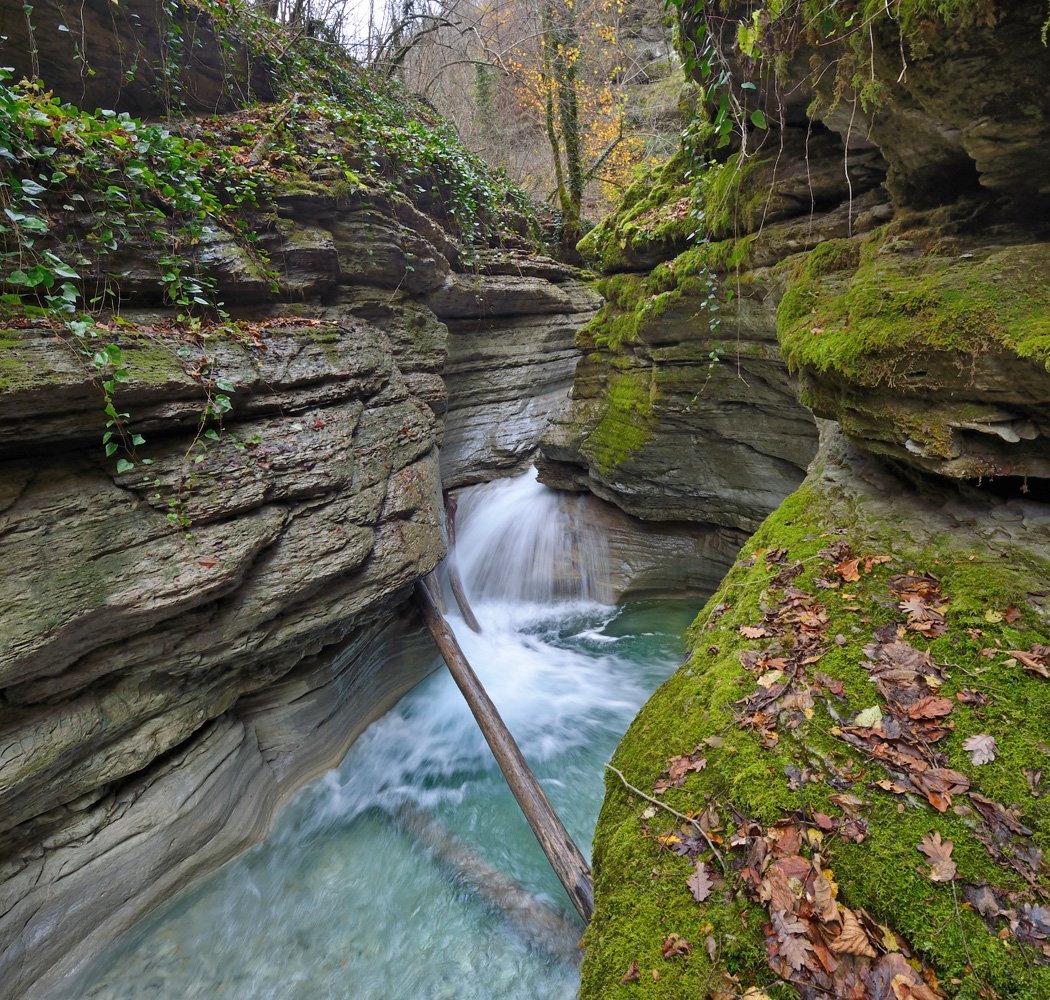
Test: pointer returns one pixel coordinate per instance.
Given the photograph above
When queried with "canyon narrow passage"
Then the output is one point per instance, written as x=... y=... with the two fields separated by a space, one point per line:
x=345 y=897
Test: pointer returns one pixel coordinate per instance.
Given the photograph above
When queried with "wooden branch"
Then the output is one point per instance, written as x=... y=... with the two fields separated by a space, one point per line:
x=545 y=927
x=674 y=812
x=455 y=581
x=565 y=857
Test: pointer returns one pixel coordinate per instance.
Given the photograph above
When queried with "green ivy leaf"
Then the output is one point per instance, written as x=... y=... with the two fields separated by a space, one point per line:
x=123 y=465
x=758 y=119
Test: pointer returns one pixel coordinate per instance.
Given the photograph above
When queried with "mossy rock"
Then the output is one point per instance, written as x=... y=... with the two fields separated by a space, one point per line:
x=651 y=308
x=926 y=350
x=653 y=222
x=795 y=767
x=625 y=424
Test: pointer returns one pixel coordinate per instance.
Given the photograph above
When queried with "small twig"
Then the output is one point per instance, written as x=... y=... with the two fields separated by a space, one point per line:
x=674 y=812
x=962 y=930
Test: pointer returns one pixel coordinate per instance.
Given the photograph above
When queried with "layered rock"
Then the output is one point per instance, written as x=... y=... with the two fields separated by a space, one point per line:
x=930 y=345
x=512 y=352
x=682 y=407
x=191 y=638
x=889 y=620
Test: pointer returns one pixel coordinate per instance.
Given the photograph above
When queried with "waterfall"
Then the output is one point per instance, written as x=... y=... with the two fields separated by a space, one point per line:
x=340 y=900
x=518 y=541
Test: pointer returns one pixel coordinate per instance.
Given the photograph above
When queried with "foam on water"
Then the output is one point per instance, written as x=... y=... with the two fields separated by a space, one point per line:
x=339 y=901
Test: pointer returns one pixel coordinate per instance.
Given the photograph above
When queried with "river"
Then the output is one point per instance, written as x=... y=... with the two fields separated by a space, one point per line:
x=343 y=899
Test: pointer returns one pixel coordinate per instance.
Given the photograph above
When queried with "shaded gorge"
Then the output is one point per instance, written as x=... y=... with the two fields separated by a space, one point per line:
x=346 y=898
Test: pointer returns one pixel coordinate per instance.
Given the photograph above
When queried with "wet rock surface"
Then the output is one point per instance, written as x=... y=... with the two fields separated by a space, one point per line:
x=192 y=638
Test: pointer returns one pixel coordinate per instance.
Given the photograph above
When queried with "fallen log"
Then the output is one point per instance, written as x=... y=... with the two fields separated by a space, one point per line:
x=565 y=857
x=455 y=581
x=541 y=925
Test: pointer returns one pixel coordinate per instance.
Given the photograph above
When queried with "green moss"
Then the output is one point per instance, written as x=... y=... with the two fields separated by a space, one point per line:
x=17 y=371
x=734 y=195
x=898 y=305
x=655 y=212
x=640 y=887
x=625 y=423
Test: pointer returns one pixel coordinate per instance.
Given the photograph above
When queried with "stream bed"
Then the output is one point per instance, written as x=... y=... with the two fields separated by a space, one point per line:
x=342 y=900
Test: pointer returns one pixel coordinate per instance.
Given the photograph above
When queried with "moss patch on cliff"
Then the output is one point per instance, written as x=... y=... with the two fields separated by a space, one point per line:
x=625 y=422
x=675 y=206
x=635 y=304
x=655 y=212
x=923 y=348
x=900 y=304
x=806 y=765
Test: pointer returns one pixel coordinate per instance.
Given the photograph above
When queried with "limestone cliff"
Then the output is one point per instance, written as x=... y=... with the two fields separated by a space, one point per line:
x=852 y=759
x=207 y=617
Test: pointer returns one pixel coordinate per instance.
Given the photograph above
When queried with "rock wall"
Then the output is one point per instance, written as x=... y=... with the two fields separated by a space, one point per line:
x=890 y=617
x=682 y=406
x=189 y=640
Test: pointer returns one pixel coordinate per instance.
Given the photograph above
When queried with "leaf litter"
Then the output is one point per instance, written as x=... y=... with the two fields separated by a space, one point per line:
x=812 y=938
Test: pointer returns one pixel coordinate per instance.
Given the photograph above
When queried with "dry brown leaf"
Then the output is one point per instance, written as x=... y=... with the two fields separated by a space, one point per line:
x=632 y=975
x=776 y=890
x=1035 y=661
x=906 y=988
x=791 y=934
x=824 y=900
x=753 y=632
x=848 y=570
x=853 y=940
x=891 y=786
x=700 y=883
x=930 y=707
x=942 y=868
x=982 y=748
x=676 y=945
x=849 y=804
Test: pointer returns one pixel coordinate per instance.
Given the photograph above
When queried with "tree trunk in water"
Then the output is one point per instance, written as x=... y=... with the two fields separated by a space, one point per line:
x=564 y=856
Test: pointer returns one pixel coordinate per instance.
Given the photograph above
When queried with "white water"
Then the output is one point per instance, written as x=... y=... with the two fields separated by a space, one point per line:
x=339 y=901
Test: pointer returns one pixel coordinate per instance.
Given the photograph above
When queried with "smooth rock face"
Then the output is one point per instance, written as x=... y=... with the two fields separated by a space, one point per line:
x=506 y=375
x=122 y=55
x=647 y=559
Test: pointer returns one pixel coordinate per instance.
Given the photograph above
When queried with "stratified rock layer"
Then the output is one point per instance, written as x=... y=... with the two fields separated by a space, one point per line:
x=857 y=742
x=190 y=639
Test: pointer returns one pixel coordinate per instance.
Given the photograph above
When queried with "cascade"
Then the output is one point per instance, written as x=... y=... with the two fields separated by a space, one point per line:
x=346 y=897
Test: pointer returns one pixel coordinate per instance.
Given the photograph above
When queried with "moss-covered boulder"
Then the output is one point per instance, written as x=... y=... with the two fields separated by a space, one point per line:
x=843 y=786
x=928 y=345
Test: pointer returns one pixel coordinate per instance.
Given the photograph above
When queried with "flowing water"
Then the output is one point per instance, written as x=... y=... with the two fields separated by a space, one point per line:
x=342 y=900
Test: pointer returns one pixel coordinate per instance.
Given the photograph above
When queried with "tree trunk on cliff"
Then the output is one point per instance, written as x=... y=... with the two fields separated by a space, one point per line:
x=561 y=42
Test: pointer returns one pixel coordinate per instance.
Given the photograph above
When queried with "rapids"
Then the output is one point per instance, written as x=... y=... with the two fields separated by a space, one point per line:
x=342 y=900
